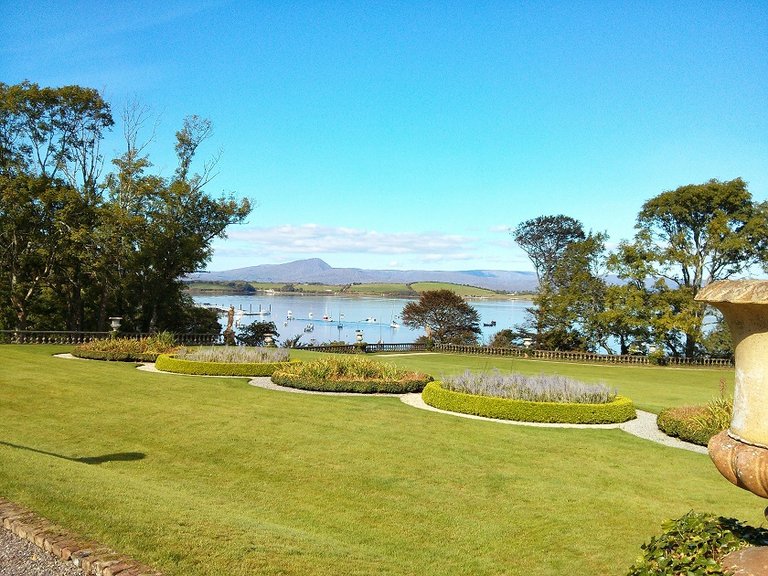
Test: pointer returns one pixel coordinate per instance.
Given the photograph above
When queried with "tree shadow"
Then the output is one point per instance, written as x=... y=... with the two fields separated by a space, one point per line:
x=116 y=457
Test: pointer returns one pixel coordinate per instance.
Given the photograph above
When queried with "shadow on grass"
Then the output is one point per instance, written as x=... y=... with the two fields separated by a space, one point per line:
x=117 y=457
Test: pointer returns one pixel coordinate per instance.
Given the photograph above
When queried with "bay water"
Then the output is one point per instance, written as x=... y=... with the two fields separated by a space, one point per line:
x=321 y=318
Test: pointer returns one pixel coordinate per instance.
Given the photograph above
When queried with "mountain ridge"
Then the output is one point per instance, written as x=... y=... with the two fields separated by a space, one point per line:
x=316 y=270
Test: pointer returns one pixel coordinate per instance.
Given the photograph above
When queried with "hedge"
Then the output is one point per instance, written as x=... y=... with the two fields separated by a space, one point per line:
x=114 y=356
x=358 y=386
x=620 y=410
x=168 y=363
x=680 y=422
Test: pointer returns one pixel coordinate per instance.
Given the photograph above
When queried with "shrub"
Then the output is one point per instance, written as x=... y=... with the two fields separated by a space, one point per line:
x=541 y=388
x=127 y=349
x=695 y=545
x=169 y=363
x=696 y=424
x=255 y=334
x=350 y=374
x=619 y=410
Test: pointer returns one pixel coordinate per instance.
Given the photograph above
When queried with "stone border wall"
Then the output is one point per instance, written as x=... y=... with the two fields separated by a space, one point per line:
x=92 y=558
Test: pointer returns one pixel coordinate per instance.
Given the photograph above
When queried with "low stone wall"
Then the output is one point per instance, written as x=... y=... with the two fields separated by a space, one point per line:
x=91 y=557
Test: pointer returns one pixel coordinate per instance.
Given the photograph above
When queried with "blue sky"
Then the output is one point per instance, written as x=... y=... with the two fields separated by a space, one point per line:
x=415 y=134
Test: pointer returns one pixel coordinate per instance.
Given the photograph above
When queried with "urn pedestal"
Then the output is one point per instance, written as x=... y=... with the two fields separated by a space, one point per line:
x=741 y=452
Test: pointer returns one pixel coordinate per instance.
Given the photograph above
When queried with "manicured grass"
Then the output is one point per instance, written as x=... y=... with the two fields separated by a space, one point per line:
x=651 y=388
x=209 y=476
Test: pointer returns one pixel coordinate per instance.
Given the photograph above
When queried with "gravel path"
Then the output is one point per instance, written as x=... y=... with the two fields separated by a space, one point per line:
x=20 y=557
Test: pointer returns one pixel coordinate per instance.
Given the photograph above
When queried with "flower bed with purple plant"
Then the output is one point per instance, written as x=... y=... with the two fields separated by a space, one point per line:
x=543 y=398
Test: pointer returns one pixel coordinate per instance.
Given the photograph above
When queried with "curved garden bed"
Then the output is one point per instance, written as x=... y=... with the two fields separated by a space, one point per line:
x=351 y=374
x=170 y=363
x=620 y=409
x=127 y=349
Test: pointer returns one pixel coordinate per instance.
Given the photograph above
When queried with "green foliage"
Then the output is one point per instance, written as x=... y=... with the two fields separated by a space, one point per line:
x=445 y=316
x=545 y=239
x=254 y=334
x=697 y=424
x=128 y=349
x=168 y=363
x=350 y=374
x=78 y=247
x=694 y=545
x=620 y=410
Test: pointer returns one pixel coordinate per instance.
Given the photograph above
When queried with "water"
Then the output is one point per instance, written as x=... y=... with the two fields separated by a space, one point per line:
x=372 y=315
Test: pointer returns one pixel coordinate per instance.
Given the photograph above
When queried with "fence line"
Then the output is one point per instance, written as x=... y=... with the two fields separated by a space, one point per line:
x=584 y=356
x=78 y=337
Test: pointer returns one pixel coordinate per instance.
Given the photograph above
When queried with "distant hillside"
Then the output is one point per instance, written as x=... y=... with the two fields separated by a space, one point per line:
x=316 y=270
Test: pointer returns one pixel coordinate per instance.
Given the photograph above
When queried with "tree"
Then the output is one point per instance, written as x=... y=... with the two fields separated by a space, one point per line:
x=254 y=334
x=692 y=236
x=568 y=306
x=445 y=316
x=545 y=239
x=76 y=248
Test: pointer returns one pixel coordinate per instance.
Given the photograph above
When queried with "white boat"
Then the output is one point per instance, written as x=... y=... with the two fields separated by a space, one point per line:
x=394 y=324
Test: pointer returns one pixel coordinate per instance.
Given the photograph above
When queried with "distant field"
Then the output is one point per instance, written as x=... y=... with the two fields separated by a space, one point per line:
x=374 y=289
x=378 y=289
x=459 y=289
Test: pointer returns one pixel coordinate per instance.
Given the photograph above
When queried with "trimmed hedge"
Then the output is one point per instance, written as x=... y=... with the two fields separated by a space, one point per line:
x=620 y=410
x=168 y=363
x=680 y=422
x=114 y=356
x=358 y=386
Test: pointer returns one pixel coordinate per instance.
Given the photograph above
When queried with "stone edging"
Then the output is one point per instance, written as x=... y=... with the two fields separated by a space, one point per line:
x=92 y=558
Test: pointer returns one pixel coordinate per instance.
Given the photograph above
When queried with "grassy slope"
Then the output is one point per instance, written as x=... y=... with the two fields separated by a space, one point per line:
x=240 y=480
x=459 y=289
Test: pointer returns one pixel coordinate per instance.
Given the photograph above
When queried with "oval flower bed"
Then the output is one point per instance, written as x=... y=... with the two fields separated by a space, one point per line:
x=551 y=399
x=127 y=349
x=226 y=361
x=350 y=374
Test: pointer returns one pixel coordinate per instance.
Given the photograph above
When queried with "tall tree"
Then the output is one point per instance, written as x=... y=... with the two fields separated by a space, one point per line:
x=445 y=316
x=545 y=239
x=697 y=234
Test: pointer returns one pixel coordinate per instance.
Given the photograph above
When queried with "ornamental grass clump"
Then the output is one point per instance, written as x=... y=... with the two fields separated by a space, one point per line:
x=234 y=354
x=541 y=388
x=128 y=349
x=350 y=374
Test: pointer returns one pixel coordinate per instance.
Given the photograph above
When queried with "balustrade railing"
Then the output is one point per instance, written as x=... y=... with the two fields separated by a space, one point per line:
x=75 y=337
x=80 y=337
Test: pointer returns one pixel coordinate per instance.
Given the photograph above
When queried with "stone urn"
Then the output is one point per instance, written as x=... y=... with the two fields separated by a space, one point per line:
x=741 y=452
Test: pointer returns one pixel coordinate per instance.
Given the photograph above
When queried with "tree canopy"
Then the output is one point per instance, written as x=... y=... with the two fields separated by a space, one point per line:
x=445 y=316
x=76 y=248
x=545 y=239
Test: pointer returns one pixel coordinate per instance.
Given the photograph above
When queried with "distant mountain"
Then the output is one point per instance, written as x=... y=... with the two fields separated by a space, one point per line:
x=316 y=270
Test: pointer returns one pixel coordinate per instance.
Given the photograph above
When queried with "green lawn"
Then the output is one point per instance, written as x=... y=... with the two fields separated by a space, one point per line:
x=210 y=476
x=650 y=387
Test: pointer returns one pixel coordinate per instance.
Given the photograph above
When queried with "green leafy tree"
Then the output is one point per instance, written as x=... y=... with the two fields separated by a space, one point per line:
x=76 y=248
x=254 y=334
x=689 y=237
x=445 y=316
x=545 y=239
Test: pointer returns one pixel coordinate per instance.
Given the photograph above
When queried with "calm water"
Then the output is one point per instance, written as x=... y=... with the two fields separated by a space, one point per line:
x=292 y=314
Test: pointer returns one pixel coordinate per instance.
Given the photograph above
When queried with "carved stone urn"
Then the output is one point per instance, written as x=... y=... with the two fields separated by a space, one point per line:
x=741 y=452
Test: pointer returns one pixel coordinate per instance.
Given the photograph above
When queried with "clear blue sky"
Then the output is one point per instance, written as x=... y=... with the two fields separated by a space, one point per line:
x=415 y=134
